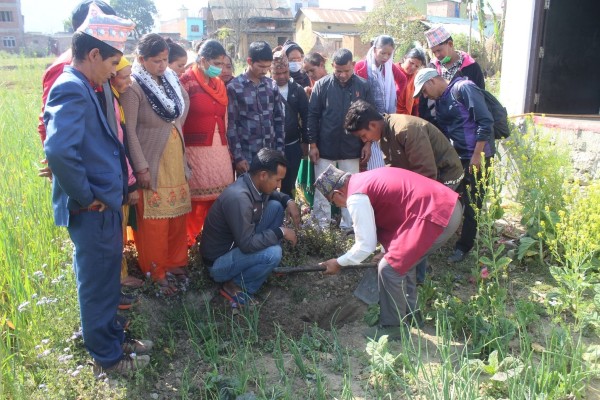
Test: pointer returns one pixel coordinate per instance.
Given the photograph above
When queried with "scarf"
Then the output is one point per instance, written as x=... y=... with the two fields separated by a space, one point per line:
x=382 y=82
x=219 y=93
x=167 y=104
x=122 y=120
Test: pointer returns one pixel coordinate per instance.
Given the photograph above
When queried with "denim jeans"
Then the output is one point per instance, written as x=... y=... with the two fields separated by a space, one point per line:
x=249 y=271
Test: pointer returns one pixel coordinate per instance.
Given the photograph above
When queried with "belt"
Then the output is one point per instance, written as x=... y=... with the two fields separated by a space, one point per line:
x=82 y=210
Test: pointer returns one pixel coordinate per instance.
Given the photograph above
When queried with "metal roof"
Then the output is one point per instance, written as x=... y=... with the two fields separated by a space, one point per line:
x=325 y=15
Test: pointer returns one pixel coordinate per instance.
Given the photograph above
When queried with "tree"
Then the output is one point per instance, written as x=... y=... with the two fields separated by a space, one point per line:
x=238 y=14
x=141 y=12
x=396 y=19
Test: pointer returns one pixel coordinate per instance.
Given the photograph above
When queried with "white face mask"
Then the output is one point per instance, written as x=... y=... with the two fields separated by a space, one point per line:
x=295 y=66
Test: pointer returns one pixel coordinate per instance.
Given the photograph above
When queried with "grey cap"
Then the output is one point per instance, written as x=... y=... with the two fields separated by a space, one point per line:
x=424 y=75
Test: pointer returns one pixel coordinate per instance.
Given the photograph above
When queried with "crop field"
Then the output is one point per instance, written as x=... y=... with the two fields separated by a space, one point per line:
x=518 y=319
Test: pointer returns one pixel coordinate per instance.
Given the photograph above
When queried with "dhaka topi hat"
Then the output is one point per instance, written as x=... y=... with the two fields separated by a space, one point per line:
x=109 y=29
x=436 y=35
x=422 y=77
x=331 y=179
x=280 y=61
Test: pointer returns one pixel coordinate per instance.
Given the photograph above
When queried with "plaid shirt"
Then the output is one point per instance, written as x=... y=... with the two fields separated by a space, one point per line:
x=255 y=116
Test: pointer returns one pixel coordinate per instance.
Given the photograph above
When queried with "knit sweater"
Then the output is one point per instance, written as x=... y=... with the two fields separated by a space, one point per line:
x=147 y=133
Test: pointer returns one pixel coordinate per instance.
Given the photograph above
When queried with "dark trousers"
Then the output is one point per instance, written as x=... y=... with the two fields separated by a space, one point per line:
x=98 y=240
x=293 y=155
x=473 y=193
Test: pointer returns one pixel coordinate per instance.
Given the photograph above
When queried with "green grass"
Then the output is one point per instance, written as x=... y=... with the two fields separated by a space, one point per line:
x=222 y=357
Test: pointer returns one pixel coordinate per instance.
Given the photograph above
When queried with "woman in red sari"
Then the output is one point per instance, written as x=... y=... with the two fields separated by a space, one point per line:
x=205 y=132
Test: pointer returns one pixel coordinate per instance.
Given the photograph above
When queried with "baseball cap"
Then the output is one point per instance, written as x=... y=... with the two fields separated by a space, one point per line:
x=424 y=75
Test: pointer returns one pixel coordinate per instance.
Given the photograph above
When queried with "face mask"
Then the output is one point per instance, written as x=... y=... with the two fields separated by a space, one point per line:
x=295 y=66
x=212 y=71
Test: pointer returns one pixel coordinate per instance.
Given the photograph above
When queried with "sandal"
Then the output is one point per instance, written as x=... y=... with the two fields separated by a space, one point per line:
x=132 y=282
x=181 y=274
x=137 y=346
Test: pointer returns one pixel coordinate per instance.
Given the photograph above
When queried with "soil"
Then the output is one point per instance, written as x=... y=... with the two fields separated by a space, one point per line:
x=293 y=303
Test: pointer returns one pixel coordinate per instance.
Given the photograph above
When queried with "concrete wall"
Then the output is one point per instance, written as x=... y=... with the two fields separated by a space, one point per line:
x=516 y=51
x=582 y=137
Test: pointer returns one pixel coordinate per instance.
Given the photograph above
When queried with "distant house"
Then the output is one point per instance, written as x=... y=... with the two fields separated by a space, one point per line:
x=296 y=5
x=12 y=26
x=189 y=28
x=268 y=20
x=326 y=30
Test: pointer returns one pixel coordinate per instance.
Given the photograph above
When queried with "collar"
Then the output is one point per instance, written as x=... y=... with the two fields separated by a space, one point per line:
x=248 y=180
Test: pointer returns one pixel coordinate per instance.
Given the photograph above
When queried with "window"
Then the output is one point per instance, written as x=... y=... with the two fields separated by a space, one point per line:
x=6 y=16
x=9 y=41
x=195 y=28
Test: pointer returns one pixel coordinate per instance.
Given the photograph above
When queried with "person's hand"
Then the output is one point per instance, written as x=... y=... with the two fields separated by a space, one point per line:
x=98 y=203
x=133 y=197
x=143 y=179
x=475 y=164
x=241 y=167
x=290 y=235
x=293 y=212
x=304 y=147
x=313 y=153
x=332 y=267
x=365 y=153
x=45 y=172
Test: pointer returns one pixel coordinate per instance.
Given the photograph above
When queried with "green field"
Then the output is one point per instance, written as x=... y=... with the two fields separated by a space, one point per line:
x=527 y=331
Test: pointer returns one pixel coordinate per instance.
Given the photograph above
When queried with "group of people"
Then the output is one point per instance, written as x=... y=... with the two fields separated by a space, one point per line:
x=176 y=149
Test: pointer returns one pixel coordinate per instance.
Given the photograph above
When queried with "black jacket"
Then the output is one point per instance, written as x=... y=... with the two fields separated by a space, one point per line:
x=296 y=113
x=232 y=219
x=327 y=110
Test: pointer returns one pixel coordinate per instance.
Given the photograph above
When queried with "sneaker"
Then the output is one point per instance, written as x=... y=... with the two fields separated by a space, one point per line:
x=457 y=256
x=127 y=301
x=392 y=332
x=137 y=346
x=126 y=367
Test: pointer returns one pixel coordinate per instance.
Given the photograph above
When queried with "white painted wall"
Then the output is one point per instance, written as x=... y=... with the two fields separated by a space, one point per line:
x=515 y=54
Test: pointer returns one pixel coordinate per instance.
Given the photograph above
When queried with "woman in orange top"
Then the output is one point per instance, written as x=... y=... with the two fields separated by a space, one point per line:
x=205 y=132
x=412 y=61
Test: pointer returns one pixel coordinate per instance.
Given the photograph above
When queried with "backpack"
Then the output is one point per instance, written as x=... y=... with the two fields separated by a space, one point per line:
x=498 y=111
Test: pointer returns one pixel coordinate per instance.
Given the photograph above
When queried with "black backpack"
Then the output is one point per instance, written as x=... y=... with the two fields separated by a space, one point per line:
x=498 y=111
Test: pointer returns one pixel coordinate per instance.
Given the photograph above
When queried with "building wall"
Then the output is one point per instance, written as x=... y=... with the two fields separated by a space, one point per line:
x=356 y=46
x=11 y=26
x=443 y=9
x=516 y=52
x=304 y=33
x=194 y=29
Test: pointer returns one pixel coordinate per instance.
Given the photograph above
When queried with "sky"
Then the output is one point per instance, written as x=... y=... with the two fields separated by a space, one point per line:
x=48 y=16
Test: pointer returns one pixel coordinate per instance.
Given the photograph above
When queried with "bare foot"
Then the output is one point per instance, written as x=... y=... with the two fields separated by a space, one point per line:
x=166 y=288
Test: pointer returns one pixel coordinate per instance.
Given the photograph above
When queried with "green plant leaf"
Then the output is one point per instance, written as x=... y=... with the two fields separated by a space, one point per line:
x=524 y=247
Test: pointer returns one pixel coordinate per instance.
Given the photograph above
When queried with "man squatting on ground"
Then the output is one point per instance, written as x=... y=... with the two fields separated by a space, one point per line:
x=243 y=230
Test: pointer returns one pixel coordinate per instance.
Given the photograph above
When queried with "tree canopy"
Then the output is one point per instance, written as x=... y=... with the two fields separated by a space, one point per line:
x=141 y=12
x=396 y=19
